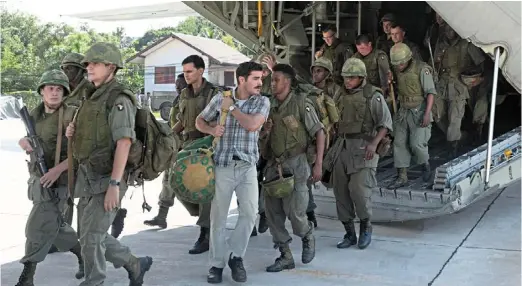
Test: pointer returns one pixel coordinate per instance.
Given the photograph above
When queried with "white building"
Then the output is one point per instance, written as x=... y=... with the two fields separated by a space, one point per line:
x=162 y=61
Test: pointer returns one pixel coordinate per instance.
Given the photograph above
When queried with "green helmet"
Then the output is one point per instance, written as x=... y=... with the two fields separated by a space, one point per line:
x=280 y=187
x=73 y=59
x=54 y=77
x=353 y=67
x=400 y=54
x=323 y=62
x=103 y=53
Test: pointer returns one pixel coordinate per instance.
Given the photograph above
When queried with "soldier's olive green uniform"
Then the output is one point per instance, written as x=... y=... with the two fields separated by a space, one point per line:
x=338 y=53
x=295 y=123
x=377 y=68
x=289 y=138
x=46 y=225
x=363 y=113
x=413 y=86
x=83 y=90
x=449 y=105
x=93 y=148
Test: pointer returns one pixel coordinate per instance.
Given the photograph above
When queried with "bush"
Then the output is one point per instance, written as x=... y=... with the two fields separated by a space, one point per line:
x=30 y=98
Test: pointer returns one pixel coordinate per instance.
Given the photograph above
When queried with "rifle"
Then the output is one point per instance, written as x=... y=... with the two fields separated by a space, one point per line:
x=37 y=155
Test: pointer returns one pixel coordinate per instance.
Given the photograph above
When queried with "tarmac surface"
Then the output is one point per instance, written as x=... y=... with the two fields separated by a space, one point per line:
x=480 y=245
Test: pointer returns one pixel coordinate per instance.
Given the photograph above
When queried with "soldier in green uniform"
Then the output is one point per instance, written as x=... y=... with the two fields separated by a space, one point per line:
x=365 y=120
x=412 y=123
x=102 y=154
x=181 y=84
x=375 y=61
x=293 y=122
x=45 y=224
x=322 y=72
x=192 y=101
x=479 y=85
x=80 y=88
x=384 y=42
x=454 y=55
x=334 y=50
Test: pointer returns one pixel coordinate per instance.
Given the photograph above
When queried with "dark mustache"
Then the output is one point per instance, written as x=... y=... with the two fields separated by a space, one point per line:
x=259 y=86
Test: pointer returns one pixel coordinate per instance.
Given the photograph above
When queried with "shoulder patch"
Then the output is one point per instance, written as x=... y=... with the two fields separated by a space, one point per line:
x=119 y=106
x=379 y=98
x=427 y=71
x=308 y=108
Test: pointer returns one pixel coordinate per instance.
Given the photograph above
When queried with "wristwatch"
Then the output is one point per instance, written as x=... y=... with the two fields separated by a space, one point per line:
x=231 y=108
x=114 y=183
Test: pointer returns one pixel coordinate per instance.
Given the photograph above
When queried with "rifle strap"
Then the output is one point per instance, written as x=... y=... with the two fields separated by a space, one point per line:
x=70 y=159
x=59 y=137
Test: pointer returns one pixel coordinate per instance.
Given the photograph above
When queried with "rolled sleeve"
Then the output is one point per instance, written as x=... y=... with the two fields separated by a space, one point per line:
x=380 y=113
x=263 y=107
x=312 y=122
x=122 y=119
x=427 y=83
x=212 y=110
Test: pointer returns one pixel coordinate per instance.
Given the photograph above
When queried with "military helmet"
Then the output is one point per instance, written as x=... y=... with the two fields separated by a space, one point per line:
x=281 y=187
x=353 y=67
x=73 y=59
x=103 y=53
x=323 y=62
x=471 y=76
x=54 y=77
x=400 y=54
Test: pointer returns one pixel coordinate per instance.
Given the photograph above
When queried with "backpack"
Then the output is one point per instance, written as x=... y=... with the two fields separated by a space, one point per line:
x=155 y=147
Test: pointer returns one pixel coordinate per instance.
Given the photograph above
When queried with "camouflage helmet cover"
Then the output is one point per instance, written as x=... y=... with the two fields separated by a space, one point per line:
x=103 y=53
x=353 y=67
x=400 y=54
x=324 y=63
x=54 y=77
x=73 y=59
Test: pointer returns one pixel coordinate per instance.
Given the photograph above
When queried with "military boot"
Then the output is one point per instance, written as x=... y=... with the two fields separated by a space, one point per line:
x=350 y=238
x=159 y=220
x=311 y=218
x=365 y=233
x=202 y=244
x=263 y=224
x=308 y=253
x=477 y=138
x=136 y=268
x=285 y=261
x=454 y=147
x=117 y=224
x=426 y=172
x=77 y=250
x=26 y=278
x=402 y=178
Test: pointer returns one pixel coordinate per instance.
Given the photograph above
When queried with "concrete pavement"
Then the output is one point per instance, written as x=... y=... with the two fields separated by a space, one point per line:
x=479 y=246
